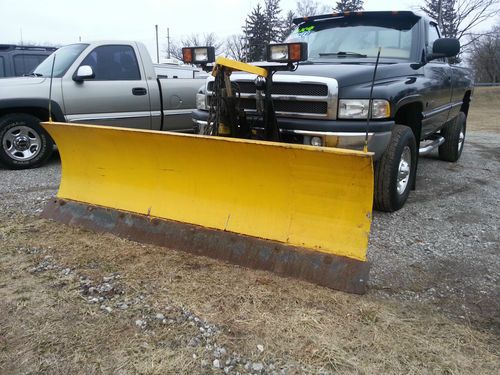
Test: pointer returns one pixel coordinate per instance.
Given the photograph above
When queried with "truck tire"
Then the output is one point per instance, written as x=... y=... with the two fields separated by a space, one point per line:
x=395 y=170
x=454 y=137
x=23 y=142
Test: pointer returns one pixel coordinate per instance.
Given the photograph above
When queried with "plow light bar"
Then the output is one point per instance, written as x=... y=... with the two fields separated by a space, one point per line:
x=287 y=53
x=198 y=55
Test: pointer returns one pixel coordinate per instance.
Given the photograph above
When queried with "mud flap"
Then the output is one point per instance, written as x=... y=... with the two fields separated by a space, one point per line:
x=295 y=210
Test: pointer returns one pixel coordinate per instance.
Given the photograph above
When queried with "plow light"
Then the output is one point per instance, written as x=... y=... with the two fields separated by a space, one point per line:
x=198 y=55
x=287 y=53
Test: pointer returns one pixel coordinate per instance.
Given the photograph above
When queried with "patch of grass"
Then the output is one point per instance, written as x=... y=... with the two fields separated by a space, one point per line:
x=484 y=113
x=22 y=289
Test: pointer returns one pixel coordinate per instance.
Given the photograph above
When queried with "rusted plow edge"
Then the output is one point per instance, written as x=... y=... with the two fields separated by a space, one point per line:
x=336 y=272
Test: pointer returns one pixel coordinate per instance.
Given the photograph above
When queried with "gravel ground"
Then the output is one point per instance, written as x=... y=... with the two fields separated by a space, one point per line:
x=432 y=307
x=442 y=247
x=25 y=192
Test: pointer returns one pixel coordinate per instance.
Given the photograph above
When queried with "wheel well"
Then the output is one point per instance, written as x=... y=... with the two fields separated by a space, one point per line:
x=41 y=113
x=465 y=103
x=410 y=115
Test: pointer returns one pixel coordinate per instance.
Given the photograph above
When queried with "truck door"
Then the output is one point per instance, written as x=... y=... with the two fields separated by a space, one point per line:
x=438 y=92
x=116 y=96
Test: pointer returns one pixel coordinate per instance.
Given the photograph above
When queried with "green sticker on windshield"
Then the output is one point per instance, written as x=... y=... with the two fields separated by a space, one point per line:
x=305 y=29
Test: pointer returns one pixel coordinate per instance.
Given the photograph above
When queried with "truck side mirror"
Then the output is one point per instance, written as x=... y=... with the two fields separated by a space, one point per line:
x=444 y=47
x=84 y=72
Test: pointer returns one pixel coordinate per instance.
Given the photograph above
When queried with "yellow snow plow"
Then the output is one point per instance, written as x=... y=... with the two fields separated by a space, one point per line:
x=296 y=210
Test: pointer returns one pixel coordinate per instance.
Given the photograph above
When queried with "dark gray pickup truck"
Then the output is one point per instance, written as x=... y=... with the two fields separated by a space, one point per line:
x=420 y=102
x=16 y=61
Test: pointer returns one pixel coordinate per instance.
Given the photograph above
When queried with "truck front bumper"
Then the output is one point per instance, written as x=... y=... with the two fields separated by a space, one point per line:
x=332 y=133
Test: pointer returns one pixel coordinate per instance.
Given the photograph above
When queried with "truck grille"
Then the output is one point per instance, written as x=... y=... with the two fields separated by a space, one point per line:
x=287 y=106
x=293 y=95
x=283 y=88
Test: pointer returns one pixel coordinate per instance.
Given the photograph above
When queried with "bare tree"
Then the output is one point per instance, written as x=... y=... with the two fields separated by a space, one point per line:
x=484 y=57
x=306 y=8
x=235 y=47
x=460 y=17
x=194 y=40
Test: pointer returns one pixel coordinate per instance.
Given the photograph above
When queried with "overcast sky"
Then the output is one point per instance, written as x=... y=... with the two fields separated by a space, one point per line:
x=65 y=21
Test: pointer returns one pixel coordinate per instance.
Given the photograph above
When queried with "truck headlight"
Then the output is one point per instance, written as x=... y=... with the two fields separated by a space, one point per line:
x=201 y=101
x=358 y=109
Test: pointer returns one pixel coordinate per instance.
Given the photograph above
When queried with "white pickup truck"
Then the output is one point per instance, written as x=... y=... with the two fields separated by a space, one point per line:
x=108 y=83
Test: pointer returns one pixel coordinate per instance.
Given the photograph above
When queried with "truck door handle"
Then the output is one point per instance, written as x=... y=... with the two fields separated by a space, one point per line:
x=139 y=91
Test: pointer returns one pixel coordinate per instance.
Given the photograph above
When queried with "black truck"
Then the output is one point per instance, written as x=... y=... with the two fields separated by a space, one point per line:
x=420 y=101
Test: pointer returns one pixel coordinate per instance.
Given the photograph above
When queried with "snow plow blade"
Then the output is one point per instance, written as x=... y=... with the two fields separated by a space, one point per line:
x=295 y=210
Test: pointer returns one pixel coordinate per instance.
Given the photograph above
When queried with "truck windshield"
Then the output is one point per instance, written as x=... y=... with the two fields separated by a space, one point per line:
x=357 y=37
x=65 y=56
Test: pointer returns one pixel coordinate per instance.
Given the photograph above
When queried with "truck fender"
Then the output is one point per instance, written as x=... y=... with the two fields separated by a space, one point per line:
x=411 y=99
x=38 y=107
x=411 y=118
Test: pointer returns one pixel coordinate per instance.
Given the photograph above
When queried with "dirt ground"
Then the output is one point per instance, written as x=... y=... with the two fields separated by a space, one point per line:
x=72 y=301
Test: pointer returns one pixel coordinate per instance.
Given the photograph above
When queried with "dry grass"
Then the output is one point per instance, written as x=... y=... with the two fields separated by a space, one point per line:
x=484 y=112
x=307 y=327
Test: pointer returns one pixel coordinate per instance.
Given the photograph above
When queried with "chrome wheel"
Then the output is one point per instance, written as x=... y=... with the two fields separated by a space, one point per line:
x=461 y=139
x=404 y=170
x=21 y=143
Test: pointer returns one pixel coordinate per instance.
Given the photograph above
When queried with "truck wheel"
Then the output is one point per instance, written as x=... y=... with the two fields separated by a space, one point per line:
x=23 y=142
x=454 y=137
x=395 y=171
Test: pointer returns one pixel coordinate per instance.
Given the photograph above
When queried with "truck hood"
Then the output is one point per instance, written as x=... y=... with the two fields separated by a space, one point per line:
x=21 y=81
x=25 y=87
x=348 y=74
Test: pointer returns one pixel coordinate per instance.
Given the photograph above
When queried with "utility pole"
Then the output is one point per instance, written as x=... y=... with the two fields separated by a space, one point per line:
x=157 y=48
x=168 y=42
